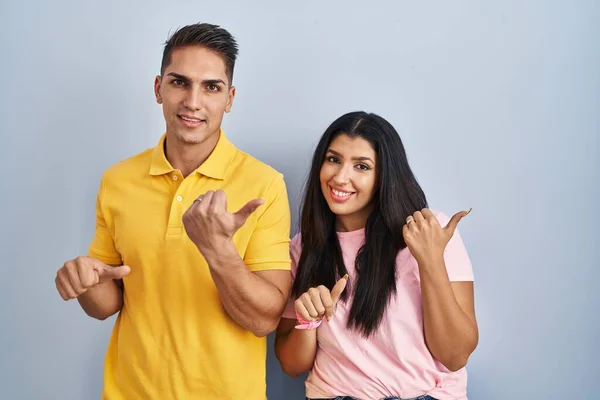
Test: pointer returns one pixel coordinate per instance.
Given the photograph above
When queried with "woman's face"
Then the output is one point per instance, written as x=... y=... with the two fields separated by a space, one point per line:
x=348 y=179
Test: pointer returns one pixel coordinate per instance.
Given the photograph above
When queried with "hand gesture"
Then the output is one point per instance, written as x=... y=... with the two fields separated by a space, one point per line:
x=77 y=276
x=425 y=237
x=208 y=223
x=319 y=302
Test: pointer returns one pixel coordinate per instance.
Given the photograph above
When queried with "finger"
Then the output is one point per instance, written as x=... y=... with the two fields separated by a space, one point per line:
x=315 y=297
x=218 y=200
x=302 y=311
x=405 y=231
x=428 y=215
x=73 y=277
x=87 y=275
x=108 y=272
x=430 y=219
x=453 y=223
x=310 y=308
x=243 y=213
x=326 y=300
x=339 y=288
x=204 y=204
x=419 y=220
x=60 y=289
x=65 y=283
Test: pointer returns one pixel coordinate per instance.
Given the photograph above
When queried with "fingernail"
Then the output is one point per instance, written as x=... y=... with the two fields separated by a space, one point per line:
x=345 y=276
x=468 y=211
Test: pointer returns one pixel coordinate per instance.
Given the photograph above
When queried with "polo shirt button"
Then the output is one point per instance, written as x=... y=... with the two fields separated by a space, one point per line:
x=175 y=177
x=179 y=198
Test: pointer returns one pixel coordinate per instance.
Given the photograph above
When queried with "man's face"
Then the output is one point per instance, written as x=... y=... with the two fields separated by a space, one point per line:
x=194 y=91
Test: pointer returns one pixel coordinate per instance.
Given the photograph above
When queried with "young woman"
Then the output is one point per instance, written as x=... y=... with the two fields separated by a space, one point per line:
x=382 y=304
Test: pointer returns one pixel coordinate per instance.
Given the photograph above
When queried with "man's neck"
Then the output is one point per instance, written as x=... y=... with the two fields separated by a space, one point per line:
x=188 y=157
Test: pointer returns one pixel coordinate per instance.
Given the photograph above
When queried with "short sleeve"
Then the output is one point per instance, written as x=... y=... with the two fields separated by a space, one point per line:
x=268 y=247
x=103 y=244
x=456 y=258
x=295 y=250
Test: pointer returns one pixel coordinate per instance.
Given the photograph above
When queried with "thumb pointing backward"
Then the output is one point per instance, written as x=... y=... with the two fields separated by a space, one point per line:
x=453 y=223
x=107 y=272
x=338 y=288
x=242 y=215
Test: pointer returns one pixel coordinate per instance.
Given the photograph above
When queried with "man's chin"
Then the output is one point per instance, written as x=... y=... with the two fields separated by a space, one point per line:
x=192 y=137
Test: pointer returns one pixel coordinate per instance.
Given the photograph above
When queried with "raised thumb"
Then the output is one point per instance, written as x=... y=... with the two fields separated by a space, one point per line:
x=338 y=288
x=109 y=272
x=453 y=223
x=243 y=213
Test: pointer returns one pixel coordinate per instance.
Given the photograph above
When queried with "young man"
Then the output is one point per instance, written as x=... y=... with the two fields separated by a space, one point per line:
x=191 y=244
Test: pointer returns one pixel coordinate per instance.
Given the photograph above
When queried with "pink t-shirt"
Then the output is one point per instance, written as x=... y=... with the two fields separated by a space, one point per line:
x=394 y=361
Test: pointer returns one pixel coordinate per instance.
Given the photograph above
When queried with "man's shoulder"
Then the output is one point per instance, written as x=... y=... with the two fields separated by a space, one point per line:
x=247 y=165
x=133 y=167
x=130 y=167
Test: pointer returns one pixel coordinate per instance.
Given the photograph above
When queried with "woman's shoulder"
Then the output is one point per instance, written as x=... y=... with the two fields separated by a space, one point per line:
x=295 y=251
x=296 y=242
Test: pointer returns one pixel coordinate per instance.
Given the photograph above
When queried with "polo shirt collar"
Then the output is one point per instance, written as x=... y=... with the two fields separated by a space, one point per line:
x=215 y=165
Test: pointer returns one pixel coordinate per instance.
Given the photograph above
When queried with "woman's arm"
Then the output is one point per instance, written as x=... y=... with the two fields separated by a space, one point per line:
x=295 y=349
x=449 y=323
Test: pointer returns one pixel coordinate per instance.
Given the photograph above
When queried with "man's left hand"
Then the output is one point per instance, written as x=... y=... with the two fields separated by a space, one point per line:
x=208 y=223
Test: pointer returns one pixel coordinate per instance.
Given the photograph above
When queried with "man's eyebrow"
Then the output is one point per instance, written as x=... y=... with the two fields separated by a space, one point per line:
x=179 y=76
x=213 y=81
x=204 y=82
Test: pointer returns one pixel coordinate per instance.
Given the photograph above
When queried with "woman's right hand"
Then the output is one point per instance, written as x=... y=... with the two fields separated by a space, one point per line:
x=318 y=302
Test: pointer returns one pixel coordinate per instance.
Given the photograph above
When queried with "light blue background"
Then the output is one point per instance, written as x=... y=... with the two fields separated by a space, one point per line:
x=498 y=104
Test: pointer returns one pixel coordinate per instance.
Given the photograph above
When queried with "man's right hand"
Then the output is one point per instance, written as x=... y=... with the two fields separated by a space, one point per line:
x=77 y=276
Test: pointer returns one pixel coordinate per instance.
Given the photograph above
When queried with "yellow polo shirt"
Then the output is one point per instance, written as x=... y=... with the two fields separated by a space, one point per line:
x=173 y=339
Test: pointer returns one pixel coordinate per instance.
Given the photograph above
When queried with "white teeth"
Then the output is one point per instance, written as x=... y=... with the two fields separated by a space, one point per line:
x=191 y=119
x=341 y=194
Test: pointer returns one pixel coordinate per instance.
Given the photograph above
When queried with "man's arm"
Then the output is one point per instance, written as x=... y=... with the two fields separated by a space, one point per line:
x=98 y=287
x=103 y=300
x=255 y=300
x=254 y=290
x=97 y=280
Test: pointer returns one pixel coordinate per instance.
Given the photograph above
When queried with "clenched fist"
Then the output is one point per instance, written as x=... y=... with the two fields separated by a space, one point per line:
x=319 y=302
x=425 y=237
x=208 y=223
x=77 y=276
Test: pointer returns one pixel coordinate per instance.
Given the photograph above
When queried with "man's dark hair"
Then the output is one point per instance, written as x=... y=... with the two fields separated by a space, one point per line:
x=212 y=37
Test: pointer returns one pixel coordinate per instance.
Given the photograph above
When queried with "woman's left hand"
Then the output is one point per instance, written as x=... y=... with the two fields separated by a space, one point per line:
x=425 y=237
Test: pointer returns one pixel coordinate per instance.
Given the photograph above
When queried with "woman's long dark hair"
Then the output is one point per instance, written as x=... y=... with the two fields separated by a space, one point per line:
x=397 y=195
